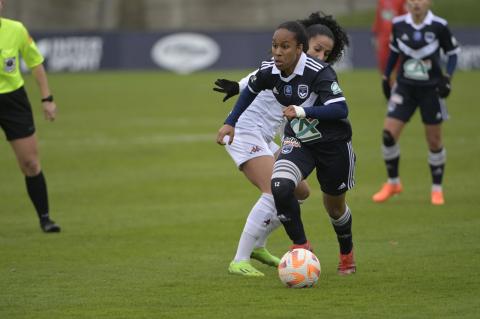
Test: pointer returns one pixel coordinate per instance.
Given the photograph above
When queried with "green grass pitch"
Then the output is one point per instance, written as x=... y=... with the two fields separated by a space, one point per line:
x=151 y=210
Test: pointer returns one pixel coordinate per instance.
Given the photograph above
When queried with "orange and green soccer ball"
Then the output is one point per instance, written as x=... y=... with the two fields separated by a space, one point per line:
x=299 y=268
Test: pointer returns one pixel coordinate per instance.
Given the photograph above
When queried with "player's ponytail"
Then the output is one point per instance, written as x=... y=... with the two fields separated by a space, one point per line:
x=319 y=23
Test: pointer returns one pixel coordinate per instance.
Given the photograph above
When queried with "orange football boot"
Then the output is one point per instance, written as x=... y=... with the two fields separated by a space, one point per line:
x=437 y=198
x=306 y=246
x=347 y=266
x=388 y=190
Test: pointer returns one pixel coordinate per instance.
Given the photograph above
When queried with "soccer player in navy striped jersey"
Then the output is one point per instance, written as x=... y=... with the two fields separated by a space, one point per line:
x=254 y=150
x=317 y=136
x=417 y=39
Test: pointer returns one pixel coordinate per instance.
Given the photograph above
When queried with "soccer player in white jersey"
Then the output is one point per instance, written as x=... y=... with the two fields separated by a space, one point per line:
x=416 y=41
x=254 y=150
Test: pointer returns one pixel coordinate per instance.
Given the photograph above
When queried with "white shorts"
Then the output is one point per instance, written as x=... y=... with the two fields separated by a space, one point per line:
x=248 y=145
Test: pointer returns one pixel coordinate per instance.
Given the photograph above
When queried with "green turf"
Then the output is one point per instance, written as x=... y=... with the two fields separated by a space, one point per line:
x=459 y=13
x=151 y=210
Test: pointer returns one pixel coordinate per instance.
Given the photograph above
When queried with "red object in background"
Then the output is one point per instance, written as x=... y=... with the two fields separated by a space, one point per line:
x=382 y=27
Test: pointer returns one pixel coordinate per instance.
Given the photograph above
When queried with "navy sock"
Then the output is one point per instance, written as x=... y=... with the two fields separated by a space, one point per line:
x=343 y=228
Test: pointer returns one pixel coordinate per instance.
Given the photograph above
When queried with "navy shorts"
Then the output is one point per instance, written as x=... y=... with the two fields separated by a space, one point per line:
x=406 y=98
x=334 y=163
x=16 y=118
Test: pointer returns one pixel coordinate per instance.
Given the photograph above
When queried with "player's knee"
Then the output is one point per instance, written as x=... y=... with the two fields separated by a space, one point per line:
x=302 y=192
x=388 y=139
x=30 y=167
x=282 y=189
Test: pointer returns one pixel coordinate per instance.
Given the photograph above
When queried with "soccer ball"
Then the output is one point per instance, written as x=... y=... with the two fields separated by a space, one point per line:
x=299 y=268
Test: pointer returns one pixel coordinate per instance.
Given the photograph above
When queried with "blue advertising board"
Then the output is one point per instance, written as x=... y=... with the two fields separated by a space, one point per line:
x=186 y=52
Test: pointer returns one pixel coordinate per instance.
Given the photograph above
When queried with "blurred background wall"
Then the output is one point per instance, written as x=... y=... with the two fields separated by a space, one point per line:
x=84 y=15
x=191 y=35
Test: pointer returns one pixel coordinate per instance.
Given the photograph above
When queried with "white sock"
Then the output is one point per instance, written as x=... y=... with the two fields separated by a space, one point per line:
x=272 y=225
x=395 y=180
x=260 y=223
x=436 y=187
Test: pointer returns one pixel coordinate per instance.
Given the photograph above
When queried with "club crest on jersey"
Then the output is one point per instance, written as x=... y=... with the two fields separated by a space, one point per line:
x=429 y=37
x=335 y=88
x=9 y=64
x=417 y=36
x=288 y=144
x=287 y=90
x=302 y=91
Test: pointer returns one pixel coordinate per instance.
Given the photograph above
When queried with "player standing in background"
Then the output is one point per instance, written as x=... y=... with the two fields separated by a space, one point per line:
x=317 y=136
x=254 y=150
x=382 y=28
x=417 y=39
x=16 y=118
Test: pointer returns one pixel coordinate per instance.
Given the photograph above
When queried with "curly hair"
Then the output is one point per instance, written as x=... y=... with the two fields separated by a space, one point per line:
x=319 y=23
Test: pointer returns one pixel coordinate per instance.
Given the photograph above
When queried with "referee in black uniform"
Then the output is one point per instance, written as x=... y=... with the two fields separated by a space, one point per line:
x=417 y=39
x=16 y=119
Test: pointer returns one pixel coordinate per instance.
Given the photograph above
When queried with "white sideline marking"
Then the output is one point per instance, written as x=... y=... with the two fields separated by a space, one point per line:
x=158 y=139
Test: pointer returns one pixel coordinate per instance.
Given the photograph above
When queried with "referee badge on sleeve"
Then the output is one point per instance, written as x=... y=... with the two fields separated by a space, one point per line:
x=9 y=64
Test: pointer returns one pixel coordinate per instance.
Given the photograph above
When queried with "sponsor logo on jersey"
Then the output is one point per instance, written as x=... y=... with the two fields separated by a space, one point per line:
x=405 y=37
x=287 y=90
x=302 y=91
x=335 y=88
x=291 y=141
x=429 y=37
x=267 y=222
x=9 y=64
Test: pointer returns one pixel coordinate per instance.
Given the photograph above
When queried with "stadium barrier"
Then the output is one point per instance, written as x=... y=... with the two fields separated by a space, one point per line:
x=186 y=52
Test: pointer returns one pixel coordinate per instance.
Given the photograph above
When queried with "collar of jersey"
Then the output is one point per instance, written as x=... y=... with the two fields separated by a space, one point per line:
x=427 y=21
x=298 y=69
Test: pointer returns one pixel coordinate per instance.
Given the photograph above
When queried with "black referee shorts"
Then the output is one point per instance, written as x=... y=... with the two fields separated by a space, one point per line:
x=16 y=118
x=334 y=163
x=406 y=98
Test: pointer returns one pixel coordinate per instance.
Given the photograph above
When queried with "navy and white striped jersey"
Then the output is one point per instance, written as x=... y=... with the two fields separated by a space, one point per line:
x=313 y=83
x=419 y=48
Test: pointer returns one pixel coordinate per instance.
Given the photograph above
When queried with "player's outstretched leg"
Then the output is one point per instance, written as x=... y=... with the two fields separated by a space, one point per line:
x=261 y=221
x=264 y=256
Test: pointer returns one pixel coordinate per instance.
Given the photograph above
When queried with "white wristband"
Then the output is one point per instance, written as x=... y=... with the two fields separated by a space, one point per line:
x=299 y=111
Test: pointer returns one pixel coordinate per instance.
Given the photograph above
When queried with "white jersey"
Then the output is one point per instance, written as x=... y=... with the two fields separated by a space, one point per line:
x=265 y=113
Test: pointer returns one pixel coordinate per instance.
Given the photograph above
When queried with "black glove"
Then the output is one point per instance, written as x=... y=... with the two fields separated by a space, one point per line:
x=386 y=88
x=444 y=87
x=230 y=88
